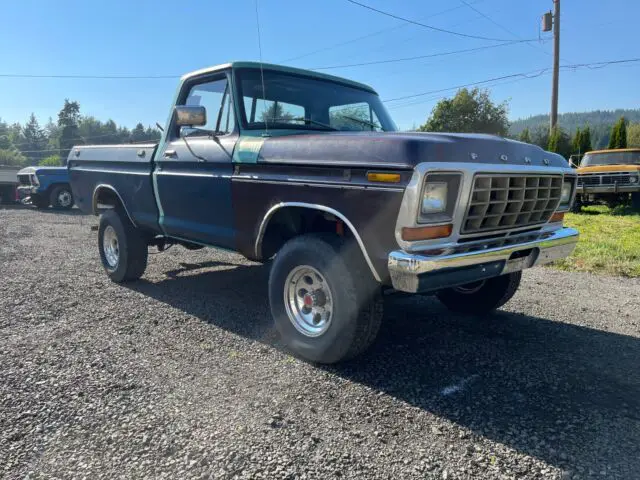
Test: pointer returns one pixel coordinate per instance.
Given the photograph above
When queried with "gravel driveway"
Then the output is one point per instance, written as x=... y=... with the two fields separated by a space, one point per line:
x=180 y=375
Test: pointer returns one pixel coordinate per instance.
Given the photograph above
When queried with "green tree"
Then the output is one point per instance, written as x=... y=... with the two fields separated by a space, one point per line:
x=138 y=134
x=68 y=119
x=618 y=137
x=12 y=157
x=559 y=142
x=51 y=161
x=540 y=136
x=633 y=135
x=585 y=140
x=525 y=136
x=575 y=142
x=5 y=137
x=469 y=111
x=35 y=140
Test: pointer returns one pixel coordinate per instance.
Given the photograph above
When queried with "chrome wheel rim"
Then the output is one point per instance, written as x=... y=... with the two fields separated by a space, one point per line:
x=64 y=198
x=308 y=301
x=470 y=288
x=110 y=247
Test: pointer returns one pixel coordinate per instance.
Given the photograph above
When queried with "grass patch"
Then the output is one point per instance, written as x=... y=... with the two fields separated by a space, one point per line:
x=609 y=241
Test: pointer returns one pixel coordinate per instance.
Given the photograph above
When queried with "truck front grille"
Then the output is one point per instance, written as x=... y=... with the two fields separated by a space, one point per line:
x=503 y=202
x=608 y=179
x=24 y=179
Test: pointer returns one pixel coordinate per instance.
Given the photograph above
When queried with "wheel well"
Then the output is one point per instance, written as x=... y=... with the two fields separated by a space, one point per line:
x=106 y=197
x=289 y=222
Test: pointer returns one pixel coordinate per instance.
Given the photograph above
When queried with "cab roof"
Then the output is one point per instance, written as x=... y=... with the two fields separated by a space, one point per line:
x=613 y=150
x=278 y=68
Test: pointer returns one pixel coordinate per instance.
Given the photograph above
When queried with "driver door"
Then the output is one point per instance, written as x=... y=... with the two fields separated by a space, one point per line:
x=193 y=173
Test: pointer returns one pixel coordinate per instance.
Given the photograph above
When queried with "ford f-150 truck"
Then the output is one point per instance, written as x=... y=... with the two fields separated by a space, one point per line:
x=46 y=186
x=612 y=176
x=308 y=169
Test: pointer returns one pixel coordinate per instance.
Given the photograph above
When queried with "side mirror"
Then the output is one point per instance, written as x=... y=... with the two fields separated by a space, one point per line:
x=190 y=116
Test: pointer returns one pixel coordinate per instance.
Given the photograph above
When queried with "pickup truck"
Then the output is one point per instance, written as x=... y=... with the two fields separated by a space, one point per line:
x=611 y=176
x=46 y=186
x=308 y=169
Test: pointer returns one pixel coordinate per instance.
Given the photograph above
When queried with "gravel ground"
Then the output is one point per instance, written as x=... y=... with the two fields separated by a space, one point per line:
x=181 y=375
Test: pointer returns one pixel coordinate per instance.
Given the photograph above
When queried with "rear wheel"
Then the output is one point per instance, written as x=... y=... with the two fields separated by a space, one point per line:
x=61 y=197
x=324 y=305
x=123 y=249
x=479 y=298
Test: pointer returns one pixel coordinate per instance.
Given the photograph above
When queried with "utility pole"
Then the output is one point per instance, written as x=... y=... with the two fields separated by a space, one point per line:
x=556 y=64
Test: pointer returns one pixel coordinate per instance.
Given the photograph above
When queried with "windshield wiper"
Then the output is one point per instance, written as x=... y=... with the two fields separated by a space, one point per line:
x=359 y=120
x=305 y=120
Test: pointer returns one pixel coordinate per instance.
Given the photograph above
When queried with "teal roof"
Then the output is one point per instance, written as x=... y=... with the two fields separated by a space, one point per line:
x=279 y=68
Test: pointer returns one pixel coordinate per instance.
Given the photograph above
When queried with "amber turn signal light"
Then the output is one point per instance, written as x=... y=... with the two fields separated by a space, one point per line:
x=557 y=217
x=411 y=234
x=383 y=177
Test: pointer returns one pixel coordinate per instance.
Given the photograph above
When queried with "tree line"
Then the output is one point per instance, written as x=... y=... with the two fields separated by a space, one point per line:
x=34 y=144
x=473 y=111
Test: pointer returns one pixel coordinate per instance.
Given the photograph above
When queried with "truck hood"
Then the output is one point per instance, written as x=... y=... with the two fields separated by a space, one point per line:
x=609 y=168
x=43 y=171
x=397 y=150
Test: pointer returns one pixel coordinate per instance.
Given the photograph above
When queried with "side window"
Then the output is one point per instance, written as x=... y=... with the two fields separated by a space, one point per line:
x=354 y=117
x=215 y=96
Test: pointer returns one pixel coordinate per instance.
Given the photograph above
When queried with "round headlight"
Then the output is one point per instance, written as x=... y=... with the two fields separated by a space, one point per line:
x=434 y=199
x=633 y=180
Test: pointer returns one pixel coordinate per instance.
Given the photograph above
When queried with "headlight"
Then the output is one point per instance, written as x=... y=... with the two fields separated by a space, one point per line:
x=565 y=193
x=439 y=197
x=633 y=180
x=434 y=198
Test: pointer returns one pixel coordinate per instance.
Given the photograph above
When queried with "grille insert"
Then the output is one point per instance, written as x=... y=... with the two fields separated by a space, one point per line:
x=24 y=179
x=502 y=202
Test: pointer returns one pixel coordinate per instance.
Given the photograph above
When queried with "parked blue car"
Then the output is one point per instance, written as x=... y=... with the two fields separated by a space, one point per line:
x=46 y=186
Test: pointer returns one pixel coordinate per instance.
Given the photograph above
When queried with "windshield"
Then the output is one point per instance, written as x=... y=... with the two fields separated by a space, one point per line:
x=611 y=158
x=297 y=102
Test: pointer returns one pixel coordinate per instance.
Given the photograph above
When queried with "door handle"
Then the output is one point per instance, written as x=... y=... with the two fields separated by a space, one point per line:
x=170 y=154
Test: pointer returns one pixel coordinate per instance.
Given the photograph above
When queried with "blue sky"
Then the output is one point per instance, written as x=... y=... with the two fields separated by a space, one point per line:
x=144 y=37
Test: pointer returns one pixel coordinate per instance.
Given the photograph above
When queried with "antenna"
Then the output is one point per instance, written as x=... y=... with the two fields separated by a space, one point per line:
x=264 y=92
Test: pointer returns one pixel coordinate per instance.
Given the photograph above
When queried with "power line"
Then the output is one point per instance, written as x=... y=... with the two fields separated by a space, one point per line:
x=404 y=59
x=530 y=74
x=431 y=27
x=369 y=35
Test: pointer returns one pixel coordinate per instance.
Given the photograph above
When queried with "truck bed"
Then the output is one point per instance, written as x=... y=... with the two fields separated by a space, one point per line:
x=126 y=169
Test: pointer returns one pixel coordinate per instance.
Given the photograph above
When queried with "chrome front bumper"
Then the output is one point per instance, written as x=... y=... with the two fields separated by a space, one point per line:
x=417 y=272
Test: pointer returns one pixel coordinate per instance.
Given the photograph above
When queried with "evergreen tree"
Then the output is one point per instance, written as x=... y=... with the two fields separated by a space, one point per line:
x=138 y=133
x=525 y=136
x=633 y=135
x=35 y=140
x=618 y=137
x=68 y=119
x=585 y=140
x=575 y=142
x=559 y=142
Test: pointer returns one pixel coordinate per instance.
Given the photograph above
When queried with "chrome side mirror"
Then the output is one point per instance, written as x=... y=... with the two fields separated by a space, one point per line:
x=190 y=116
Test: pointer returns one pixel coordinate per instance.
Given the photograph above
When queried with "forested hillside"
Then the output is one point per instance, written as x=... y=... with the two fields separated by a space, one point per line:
x=33 y=144
x=599 y=121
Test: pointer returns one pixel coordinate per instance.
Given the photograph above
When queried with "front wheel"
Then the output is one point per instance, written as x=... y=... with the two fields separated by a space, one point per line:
x=123 y=250
x=61 y=197
x=324 y=305
x=482 y=297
